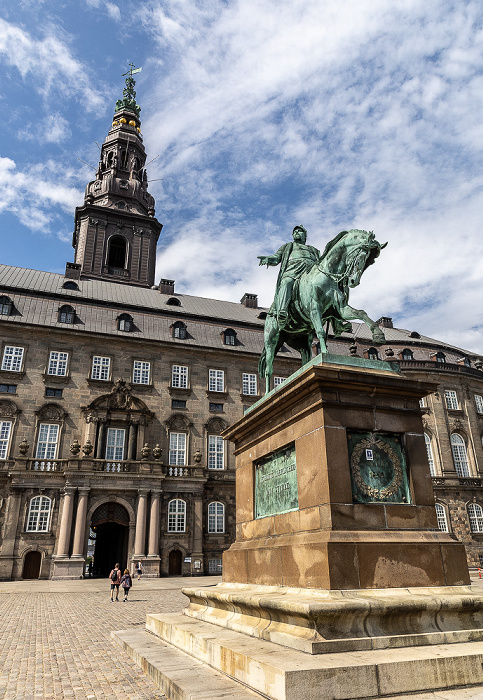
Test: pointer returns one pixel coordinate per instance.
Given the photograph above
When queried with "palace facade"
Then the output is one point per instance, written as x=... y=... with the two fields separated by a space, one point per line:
x=114 y=393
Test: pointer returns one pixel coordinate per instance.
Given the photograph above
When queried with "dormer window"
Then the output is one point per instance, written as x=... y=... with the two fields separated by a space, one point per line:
x=179 y=330
x=372 y=354
x=125 y=323
x=414 y=334
x=66 y=314
x=173 y=302
x=70 y=285
x=440 y=357
x=407 y=354
x=5 y=306
x=229 y=337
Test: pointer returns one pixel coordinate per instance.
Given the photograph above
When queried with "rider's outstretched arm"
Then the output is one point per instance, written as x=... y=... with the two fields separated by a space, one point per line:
x=271 y=259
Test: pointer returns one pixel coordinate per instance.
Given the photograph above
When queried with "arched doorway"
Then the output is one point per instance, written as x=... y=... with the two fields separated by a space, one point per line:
x=110 y=529
x=174 y=562
x=31 y=565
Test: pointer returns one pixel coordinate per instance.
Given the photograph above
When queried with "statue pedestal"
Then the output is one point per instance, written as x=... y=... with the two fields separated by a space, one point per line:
x=339 y=584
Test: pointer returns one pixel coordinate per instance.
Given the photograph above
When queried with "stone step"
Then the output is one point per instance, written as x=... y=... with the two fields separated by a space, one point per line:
x=179 y=676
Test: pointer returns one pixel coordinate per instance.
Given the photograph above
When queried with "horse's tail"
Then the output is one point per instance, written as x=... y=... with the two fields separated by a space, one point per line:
x=262 y=364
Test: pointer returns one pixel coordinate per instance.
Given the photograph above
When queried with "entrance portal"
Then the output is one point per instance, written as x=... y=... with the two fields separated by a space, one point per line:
x=31 y=565
x=174 y=562
x=110 y=524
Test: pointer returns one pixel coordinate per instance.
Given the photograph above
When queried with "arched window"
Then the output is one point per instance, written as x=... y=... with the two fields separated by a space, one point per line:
x=39 y=514
x=440 y=357
x=125 y=323
x=117 y=252
x=177 y=515
x=414 y=334
x=372 y=354
x=173 y=302
x=5 y=306
x=70 y=285
x=460 y=457
x=407 y=354
x=229 y=337
x=179 y=330
x=66 y=314
x=467 y=362
x=475 y=514
x=429 y=450
x=216 y=517
x=441 y=518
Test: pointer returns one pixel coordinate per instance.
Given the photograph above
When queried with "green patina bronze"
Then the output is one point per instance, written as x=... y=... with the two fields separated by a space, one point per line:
x=313 y=290
x=378 y=468
x=276 y=488
x=128 y=94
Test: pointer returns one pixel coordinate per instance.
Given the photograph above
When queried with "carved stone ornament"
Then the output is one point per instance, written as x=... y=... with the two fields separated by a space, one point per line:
x=178 y=422
x=23 y=448
x=215 y=425
x=456 y=424
x=119 y=399
x=51 y=412
x=87 y=448
x=8 y=409
x=197 y=456
x=146 y=451
x=157 y=452
x=75 y=448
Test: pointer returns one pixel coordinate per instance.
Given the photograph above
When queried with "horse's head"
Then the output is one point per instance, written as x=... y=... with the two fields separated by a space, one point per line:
x=362 y=250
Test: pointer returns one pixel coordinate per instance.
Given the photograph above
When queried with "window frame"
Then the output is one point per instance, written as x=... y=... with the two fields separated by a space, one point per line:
x=48 y=442
x=8 y=346
x=479 y=404
x=409 y=352
x=5 y=439
x=180 y=375
x=179 y=330
x=34 y=518
x=124 y=319
x=214 y=519
x=429 y=452
x=441 y=517
x=475 y=517
x=6 y=305
x=460 y=465
x=48 y=373
x=216 y=450
x=176 y=516
x=62 y=311
x=177 y=449
x=249 y=381
x=277 y=380
x=212 y=385
x=115 y=446
x=102 y=357
x=373 y=354
x=141 y=370
x=229 y=337
x=451 y=400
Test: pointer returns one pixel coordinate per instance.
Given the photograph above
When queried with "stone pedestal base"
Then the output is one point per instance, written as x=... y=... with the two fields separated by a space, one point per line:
x=67 y=568
x=151 y=566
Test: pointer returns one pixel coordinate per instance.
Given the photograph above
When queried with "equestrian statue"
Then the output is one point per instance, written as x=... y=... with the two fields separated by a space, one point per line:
x=313 y=290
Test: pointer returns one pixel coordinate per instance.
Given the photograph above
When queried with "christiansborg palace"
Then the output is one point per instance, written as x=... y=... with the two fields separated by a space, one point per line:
x=114 y=393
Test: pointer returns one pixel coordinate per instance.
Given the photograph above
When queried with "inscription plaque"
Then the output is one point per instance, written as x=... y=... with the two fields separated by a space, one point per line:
x=276 y=489
x=378 y=468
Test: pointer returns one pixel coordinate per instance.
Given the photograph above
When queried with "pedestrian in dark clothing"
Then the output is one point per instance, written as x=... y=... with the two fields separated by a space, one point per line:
x=115 y=577
x=126 y=583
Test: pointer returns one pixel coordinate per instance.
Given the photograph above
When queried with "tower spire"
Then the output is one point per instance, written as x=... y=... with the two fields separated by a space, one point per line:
x=128 y=94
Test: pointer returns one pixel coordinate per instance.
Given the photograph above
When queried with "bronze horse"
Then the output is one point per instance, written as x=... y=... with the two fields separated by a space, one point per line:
x=321 y=295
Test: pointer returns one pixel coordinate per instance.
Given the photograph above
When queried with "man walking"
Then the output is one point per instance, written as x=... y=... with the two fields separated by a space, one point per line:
x=115 y=577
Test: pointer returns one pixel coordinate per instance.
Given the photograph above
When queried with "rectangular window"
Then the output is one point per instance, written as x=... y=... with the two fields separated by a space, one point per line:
x=179 y=377
x=54 y=392
x=178 y=403
x=216 y=407
x=451 y=400
x=177 y=449
x=47 y=442
x=215 y=566
x=8 y=388
x=176 y=516
x=479 y=403
x=216 y=452
x=115 y=443
x=101 y=368
x=5 y=429
x=39 y=514
x=249 y=384
x=12 y=359
x=58 y=363
x=141 y=372
x=216 y=380
x=278 y=380
x=422 y=403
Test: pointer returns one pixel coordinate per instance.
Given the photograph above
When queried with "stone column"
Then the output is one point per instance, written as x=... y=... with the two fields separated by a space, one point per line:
x=100 y=452
x=10 y=534
x=80 y=522
x=197 y=554
x=66 y=522
x=131 y=450
x=153 y=545
x=140 y=525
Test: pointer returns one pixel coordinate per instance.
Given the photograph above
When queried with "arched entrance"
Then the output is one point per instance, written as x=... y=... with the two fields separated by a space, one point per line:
x=110 y=527
x=174 y=562
x=31 y=565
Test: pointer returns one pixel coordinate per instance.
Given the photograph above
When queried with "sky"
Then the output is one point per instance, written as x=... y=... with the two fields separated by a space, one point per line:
x=333 y=114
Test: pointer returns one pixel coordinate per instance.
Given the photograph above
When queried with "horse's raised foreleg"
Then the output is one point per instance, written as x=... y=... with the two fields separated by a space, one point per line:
x=348 y=313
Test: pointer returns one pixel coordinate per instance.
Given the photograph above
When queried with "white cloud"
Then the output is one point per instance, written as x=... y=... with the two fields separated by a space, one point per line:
x=52 y=129
x=110 y=7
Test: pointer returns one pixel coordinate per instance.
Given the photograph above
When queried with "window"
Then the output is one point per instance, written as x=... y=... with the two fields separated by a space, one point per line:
x=47 y=441
x=429 y=450
x=216 y=452
x=216 y=407
x=117 y=252
x=176 y=515
x=12 y=359
x=216 y=380
x=5 y=306
x=125 y=323
x=66 y=314
x=215 y=566
x=141 y=373
x=229 y=337
x=8 y=388
x=460 y=457
x=467 y=362
x=475 y=514
x=441 y=518
x=54 y=392
x=39 y=514
x=178 y=403
x=451 y=398
x=179 y=377
x=58 y=363
x=249 y=384
x=115 y=443
x=479 y=403
x=179 y=330
x=216 y=517
x=422 y=402
x=407 y=354
x=5 y=430
x=372 y=354
x=70 y=285
x=278 y=380
x=101 y=368
x=177 y=449
x=440 y=357
x=173 y=302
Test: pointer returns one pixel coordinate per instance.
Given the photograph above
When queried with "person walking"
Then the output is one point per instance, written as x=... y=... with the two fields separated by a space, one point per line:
x=126 y=583
x=139 y=569
x=115 y=577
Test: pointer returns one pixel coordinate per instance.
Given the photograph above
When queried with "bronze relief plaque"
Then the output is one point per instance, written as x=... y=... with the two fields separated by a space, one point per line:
x=378 y=468
x=276 y=483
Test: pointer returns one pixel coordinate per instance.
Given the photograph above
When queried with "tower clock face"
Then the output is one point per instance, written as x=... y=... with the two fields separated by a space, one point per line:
x=378 y=468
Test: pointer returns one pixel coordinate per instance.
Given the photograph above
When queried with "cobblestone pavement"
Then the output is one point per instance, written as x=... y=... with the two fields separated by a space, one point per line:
x=54 y=638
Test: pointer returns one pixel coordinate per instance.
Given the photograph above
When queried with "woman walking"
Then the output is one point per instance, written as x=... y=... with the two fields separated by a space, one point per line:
x=126 y=583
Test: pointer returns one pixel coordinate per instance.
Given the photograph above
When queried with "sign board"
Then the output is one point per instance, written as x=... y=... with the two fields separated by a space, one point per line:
x=276 y=489
x=187 y=560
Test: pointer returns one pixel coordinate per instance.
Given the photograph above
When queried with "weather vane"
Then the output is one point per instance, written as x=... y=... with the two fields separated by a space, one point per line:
x=128 y=94
x=132 y=70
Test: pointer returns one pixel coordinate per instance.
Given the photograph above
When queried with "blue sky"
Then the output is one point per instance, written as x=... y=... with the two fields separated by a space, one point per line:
x=334 y=114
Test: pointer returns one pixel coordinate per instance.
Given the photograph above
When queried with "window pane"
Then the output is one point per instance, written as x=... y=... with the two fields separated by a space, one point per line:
x=176 y=516
x=427 y=439
x=5 y=428
x=277 y=381
x=216 y=517
x=115 y=443
x=58 y=363
x=475 y=513
x=479 y=403
x=216 y=380
x=179 y=377
x=47 y=441
x=141 y=372
x=459 y=455
x=249 y=384
x=100 y=367
x=12 y=359
x=39 y=513
x=441 y=518
x=177 y=449
x=451 y=400
x=216 y=452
